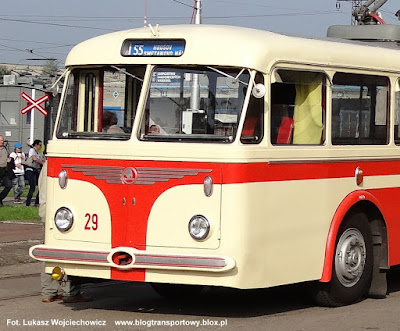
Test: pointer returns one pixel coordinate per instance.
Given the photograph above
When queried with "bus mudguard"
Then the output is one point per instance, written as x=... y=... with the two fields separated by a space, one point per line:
x=348 y=202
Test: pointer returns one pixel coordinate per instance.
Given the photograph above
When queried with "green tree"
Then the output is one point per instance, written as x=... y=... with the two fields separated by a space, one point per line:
x=50 y=68
x=4 y=70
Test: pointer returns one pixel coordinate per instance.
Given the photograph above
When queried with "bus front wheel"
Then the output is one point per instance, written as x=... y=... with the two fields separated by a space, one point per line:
x=352 y=264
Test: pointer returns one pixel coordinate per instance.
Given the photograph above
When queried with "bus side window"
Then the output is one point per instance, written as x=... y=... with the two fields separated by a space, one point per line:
x=359 y=109
x=298 y=106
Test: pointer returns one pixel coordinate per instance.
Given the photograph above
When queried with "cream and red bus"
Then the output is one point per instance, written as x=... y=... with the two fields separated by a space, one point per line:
x=239 y=158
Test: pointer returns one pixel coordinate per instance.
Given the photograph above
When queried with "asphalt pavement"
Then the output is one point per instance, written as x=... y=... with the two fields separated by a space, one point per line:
x=15 y=240
x=19 y=231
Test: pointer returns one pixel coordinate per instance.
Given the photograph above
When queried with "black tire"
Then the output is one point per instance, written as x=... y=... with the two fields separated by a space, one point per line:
x=177 y=291
x=351 y=277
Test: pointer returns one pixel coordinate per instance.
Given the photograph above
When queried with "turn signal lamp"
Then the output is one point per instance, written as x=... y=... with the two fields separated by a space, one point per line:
x=208 y=186
x=359 y=176
x=57 y=273
x=63 y=179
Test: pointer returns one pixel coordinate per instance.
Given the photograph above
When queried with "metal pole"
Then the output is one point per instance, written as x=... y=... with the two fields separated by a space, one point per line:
x=377 y=5
x=195 y=97
x=32 y=118
x=145 y=13
x=197 y=6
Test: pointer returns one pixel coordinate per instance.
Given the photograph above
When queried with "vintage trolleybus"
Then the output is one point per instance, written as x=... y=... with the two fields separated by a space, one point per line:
x=226 y=156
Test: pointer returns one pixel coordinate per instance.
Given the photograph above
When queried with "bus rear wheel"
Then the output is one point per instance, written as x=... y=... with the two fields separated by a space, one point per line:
x=352 y=264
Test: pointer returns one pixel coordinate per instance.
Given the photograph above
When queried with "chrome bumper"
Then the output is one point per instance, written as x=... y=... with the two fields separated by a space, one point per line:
x=136 y=259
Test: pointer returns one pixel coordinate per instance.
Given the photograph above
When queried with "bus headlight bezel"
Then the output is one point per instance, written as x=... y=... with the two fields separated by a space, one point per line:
x=199 y=227
x=63 y=219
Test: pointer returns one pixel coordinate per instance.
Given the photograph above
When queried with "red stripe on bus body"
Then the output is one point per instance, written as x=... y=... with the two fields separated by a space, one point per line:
x=243 y=172
x=266 y=172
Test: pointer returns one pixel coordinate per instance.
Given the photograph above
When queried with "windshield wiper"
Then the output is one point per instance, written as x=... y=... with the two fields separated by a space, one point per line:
x=127 y=73
x=235 y=79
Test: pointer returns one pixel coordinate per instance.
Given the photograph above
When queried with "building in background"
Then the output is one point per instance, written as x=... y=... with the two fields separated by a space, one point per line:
x=16 y=127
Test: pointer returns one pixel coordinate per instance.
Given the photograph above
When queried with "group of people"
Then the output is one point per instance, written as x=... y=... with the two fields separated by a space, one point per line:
x=16 y=167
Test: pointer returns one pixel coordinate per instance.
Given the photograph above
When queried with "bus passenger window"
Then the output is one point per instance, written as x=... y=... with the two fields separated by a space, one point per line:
x=100 y=103
x=397 y=113
x=359 y=109
x=298 y=102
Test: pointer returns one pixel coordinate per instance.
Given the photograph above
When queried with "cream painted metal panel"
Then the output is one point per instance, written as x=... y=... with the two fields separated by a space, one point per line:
x=172 y=211
x=235 y=46
x=274 y=238
x=81 y=198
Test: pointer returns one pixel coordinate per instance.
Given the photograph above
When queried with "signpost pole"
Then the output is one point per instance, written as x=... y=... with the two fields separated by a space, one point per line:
x=32 y=119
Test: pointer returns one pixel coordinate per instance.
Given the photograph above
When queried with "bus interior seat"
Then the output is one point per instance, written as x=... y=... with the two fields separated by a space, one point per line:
x=285 y=131
x=249 y=126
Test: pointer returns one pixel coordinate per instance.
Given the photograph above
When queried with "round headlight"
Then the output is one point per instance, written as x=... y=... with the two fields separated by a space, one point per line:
x=199 y=227
x=63 y=219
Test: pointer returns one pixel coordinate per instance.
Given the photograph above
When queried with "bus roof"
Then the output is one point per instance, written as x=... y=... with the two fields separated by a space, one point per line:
x=233 y=46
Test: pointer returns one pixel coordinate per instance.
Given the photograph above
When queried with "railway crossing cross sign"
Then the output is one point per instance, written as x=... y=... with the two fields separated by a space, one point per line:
x=34 y=103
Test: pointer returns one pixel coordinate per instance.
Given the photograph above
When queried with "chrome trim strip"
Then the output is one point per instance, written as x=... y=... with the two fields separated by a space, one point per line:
x=61 y=254
x=182 y=261
x=330 y=160
x=142 y=175
x=139 y=259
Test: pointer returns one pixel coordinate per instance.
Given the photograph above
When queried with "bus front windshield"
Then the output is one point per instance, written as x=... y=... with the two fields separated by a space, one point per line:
x=100 y=102
x=183 y=103
x=194 y=103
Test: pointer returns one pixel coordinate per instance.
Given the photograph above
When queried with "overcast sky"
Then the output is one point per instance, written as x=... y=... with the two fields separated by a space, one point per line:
x=33 y=30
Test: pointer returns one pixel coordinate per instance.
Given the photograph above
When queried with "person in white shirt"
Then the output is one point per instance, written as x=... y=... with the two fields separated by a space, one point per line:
x=19 y=181
x=32 y=173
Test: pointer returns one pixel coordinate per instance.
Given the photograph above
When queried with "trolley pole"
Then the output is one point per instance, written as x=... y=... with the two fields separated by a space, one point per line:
x=197 y=7
x=145 y=13
x=195 y=97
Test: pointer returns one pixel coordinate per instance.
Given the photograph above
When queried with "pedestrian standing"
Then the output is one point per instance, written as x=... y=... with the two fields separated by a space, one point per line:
x=4 y=176
x=19 y=181
x=32 y=171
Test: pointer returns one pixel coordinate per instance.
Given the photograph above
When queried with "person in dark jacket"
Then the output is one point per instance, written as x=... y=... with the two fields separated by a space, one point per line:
x=4 y=175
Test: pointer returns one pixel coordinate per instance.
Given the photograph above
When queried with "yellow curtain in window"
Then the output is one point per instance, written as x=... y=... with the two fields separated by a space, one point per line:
x=308 y=113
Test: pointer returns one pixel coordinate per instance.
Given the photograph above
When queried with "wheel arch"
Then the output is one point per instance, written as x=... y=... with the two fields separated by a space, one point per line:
x=358 y=201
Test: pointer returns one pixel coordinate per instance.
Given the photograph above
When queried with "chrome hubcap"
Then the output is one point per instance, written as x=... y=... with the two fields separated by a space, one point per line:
x=350 y=257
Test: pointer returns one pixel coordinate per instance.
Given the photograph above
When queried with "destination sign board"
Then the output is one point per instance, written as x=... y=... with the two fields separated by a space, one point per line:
x=153 y=48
